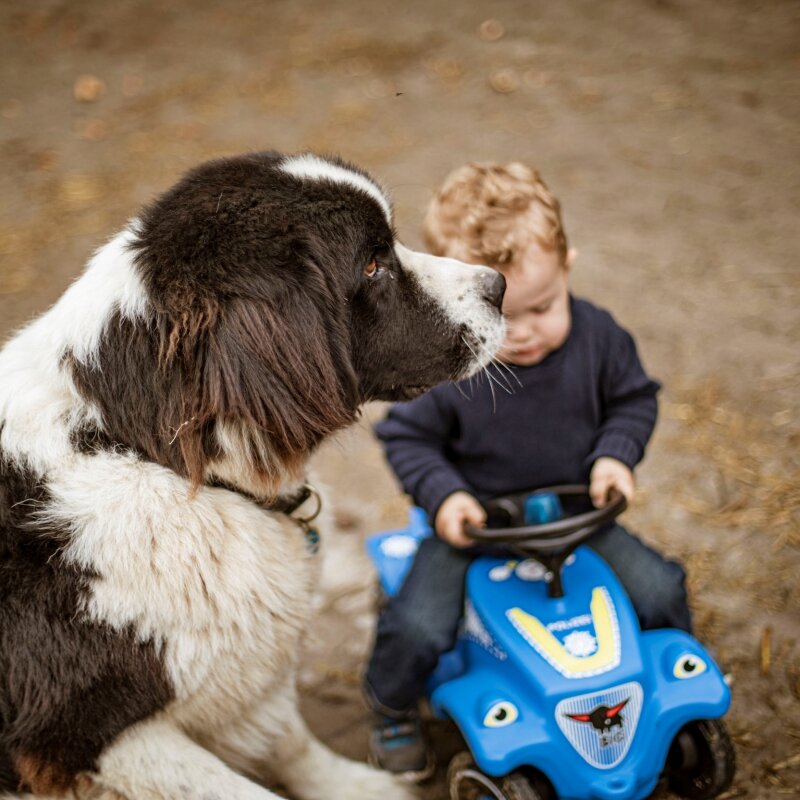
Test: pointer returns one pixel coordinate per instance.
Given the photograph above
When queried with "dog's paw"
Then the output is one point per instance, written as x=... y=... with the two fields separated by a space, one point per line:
x=87 y=787
x=367 y=783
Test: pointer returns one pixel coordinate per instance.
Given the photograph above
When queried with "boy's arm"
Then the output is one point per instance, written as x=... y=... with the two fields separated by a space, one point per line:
x=628 y=398
x=415 y=437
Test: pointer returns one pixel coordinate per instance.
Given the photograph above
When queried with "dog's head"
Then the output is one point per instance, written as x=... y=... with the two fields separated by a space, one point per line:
x=276 y=300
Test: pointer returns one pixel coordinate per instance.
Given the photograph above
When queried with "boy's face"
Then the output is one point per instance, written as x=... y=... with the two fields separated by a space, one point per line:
x=536 y=306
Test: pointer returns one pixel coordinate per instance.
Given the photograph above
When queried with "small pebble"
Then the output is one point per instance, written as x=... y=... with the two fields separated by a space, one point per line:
x=94 y=130
x=504 y=81
x=88 y=89
x=491 y=30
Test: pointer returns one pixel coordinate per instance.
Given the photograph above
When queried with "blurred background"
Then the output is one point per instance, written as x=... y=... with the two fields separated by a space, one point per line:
x=668 y=129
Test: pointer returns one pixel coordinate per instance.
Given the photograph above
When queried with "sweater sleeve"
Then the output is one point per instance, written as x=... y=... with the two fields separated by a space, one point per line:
x=628 y=398
x=414 y=437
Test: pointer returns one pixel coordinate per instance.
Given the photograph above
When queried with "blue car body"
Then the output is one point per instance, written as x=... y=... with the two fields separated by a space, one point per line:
x=570 y=686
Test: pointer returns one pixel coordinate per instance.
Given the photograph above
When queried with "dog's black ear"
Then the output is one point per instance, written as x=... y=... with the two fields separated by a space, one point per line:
x=271 y=378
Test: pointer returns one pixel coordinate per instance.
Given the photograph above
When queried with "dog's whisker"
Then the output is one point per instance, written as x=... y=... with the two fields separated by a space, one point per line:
x=510 y=372
x=496 y=382
x=491 y=389
x=490 y=378
x=500 y=376
x=492 y=381
x=503 y=369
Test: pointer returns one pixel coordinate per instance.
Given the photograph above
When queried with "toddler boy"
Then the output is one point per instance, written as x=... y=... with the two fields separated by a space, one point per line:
x=579 y=409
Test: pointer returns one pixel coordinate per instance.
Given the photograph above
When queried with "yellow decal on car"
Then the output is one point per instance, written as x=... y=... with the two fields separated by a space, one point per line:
x=604 y=657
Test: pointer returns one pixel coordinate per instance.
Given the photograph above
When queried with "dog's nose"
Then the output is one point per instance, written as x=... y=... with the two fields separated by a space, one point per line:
x=493 y=288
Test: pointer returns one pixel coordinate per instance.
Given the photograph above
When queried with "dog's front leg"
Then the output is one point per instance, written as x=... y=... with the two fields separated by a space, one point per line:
x=273 y=742
x=155 y=760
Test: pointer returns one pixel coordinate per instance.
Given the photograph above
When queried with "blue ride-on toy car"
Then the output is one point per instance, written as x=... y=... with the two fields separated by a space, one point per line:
x=554 y=687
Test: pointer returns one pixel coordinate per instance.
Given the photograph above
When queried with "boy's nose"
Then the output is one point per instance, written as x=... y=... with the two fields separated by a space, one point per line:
x=493 y=288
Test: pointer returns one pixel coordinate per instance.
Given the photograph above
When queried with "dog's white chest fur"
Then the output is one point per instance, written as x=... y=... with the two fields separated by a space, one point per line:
x=220 y=585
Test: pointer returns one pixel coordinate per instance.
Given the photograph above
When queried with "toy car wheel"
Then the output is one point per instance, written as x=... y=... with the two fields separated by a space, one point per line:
x=467 y=782
x=527 y=787
x=701 y=760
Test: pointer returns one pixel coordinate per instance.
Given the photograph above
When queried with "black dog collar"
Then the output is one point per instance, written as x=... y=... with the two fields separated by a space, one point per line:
x=288 y=504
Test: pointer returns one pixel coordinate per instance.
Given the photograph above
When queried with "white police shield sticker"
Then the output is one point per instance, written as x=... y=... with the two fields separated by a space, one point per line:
x=601 y=725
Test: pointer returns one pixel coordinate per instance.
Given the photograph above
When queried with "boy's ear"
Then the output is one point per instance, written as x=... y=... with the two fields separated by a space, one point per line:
x=572 y=254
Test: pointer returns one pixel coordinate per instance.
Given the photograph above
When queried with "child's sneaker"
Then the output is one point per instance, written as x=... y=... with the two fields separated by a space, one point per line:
x=399 y=746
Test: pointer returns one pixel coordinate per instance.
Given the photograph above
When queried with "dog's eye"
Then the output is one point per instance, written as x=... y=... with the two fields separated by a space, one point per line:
x=373 y=269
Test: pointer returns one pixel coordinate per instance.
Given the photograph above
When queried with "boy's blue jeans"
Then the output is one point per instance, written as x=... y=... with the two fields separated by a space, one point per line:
x=421 y=622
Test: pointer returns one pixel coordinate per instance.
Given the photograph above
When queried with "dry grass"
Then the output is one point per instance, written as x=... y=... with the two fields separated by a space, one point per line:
x=756 y=462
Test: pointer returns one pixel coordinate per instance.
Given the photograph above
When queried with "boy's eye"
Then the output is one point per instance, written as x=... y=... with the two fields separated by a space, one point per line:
x=542 y=308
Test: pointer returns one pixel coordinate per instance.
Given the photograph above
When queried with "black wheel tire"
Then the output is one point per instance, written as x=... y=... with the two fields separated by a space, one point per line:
x=527 y=787
x=514 y=786
x=701 y=761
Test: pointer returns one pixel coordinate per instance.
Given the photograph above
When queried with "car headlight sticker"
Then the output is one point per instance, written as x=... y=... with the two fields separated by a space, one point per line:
x=689 y=666
x=501 y=714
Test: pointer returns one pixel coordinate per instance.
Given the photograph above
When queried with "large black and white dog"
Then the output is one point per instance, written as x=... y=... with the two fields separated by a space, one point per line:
x=154 y=425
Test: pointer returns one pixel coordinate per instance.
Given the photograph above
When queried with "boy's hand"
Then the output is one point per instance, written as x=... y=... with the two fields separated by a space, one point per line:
x=459 y=508
x=607 y=474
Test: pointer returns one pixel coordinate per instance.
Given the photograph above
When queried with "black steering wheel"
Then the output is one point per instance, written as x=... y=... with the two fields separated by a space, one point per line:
x=548 y=542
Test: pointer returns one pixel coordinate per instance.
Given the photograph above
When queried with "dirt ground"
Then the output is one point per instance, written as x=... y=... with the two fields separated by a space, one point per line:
x=669 y=129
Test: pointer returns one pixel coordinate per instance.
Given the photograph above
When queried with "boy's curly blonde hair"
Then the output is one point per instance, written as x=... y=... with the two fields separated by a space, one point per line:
x=488 y=213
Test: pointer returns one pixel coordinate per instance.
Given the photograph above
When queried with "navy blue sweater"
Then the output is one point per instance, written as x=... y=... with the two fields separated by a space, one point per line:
x=589 y=398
